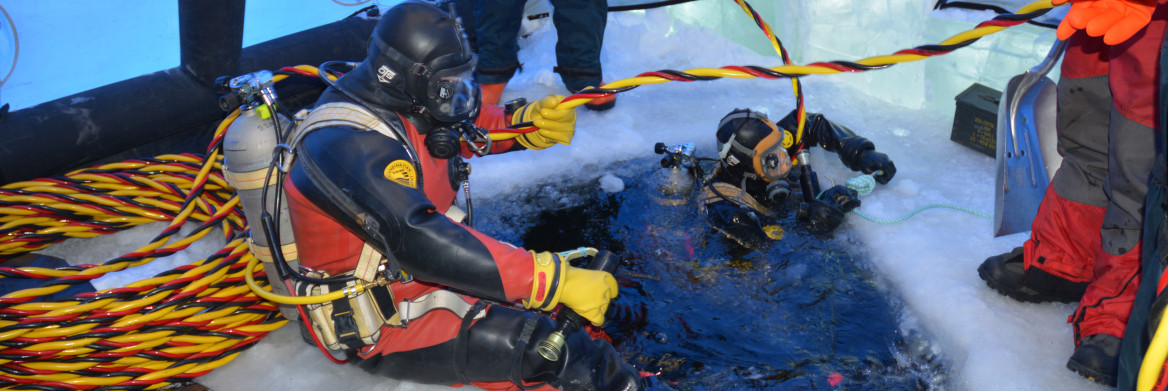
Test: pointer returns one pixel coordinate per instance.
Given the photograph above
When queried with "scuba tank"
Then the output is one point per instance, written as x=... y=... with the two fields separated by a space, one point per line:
x=248 y=148
x=676 y=182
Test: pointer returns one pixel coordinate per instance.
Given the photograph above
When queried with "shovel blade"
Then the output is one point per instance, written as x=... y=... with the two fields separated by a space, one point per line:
x=1022 y=175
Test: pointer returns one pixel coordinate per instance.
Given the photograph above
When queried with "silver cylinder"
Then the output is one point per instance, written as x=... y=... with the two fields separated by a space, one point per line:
x=248 y=147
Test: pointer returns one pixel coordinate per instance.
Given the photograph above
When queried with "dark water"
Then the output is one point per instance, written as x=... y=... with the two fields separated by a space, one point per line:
x=801 y=313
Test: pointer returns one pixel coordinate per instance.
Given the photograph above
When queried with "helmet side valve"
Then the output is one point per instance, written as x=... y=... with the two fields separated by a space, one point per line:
x=552 y=346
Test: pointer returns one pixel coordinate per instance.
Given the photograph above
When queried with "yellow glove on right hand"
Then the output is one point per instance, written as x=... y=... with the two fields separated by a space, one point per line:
x=586 y=291
x=555 y=126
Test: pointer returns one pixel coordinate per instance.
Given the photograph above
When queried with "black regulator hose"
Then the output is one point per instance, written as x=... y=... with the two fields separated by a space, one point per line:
x=551 y=347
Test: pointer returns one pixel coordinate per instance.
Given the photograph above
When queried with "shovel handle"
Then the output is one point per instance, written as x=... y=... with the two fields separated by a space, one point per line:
x=1029 y=79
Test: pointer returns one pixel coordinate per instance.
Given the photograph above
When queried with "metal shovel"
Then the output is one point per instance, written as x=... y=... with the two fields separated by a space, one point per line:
x=1027 y=153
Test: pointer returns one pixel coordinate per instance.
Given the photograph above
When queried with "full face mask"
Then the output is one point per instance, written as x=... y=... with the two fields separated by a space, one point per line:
x=756 y=142
x=453 y=94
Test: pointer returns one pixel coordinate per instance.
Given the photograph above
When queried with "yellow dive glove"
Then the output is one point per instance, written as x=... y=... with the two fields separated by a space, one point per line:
x=555 y=126
x=588 y=292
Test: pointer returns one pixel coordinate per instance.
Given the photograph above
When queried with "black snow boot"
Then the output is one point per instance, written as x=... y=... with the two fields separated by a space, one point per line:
x=594 y=365
x=1097 y=358
x=1005 y=273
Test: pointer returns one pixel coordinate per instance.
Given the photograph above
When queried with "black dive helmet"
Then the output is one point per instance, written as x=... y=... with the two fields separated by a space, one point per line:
x=419 y=61
x=751 y=146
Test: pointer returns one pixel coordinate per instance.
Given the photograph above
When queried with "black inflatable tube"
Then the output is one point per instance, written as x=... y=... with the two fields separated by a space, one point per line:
x=210 y=37
x=164 y=112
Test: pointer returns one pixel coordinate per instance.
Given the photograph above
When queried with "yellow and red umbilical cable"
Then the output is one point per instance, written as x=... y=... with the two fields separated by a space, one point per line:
x=998 y=23
x=796 y=86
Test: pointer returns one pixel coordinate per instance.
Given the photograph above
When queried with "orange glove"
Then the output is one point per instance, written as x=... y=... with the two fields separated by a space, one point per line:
x=1114 y=20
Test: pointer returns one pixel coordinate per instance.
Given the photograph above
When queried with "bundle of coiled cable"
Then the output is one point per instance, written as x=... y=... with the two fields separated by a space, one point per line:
x=177 y=325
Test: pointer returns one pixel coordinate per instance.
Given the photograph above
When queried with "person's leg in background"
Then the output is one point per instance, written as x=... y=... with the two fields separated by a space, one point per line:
x=497 y=24
x=1102 y=315
x=580 y=27
x=1057 y=262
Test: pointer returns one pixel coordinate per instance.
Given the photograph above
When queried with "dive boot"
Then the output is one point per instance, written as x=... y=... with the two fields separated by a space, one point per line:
x=599 y=104
x=602 y=103
x=1097 y=358
x=1006 y=273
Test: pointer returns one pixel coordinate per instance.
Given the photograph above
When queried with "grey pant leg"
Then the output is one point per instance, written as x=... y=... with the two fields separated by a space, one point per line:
x=1107 y=159
x=1131 y=154
x=1083 y=119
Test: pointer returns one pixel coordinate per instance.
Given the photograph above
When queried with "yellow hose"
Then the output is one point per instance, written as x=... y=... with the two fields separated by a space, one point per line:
x=1155 y=357
x=293 y=300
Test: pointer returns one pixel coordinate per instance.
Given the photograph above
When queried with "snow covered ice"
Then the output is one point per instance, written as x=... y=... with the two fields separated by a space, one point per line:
x=990 y=341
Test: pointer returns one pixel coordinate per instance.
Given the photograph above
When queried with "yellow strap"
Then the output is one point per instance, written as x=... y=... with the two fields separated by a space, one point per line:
x=733 y=194
x=340 y=114
x=367 y=263
x=265 y=255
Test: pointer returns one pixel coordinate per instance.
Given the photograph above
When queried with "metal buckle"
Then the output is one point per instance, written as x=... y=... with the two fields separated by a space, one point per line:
x=284 y=156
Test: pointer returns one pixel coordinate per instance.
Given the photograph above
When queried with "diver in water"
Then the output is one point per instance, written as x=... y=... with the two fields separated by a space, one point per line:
x=371 y=194
x=753 y=177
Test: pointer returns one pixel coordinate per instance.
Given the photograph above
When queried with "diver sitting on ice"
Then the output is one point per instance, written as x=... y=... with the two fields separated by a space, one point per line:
x=752 y=179
x=371 y=193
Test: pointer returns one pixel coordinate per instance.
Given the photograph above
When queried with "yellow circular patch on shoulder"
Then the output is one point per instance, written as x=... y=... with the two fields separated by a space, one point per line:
x=402 y=172
x=788 y=139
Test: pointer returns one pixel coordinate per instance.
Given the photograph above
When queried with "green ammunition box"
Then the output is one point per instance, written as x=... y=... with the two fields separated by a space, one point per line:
x=976 y=120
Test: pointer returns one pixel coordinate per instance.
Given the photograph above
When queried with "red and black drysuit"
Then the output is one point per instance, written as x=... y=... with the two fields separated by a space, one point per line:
x=408 y=225
x=1088 y=226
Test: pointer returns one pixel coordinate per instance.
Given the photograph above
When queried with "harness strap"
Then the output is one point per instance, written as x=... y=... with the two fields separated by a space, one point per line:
x=517 y=355
x=367 y=263
x=340 y=114
x=463 y=344
x=718 y=191
x=350 y=115
x=409 y=310
x=328 y=115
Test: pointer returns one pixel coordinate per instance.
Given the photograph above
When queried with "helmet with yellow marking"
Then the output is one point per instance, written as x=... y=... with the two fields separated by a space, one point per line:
x=750 y=145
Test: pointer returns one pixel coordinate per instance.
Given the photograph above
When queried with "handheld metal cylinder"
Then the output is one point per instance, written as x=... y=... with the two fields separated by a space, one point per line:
x=808 y=181
x=552 y=346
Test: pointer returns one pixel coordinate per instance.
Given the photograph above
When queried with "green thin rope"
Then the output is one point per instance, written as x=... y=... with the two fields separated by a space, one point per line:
x=919 y=210
x=864 y=184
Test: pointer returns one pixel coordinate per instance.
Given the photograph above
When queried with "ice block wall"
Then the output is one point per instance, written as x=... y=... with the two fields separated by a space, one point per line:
x=829 y=30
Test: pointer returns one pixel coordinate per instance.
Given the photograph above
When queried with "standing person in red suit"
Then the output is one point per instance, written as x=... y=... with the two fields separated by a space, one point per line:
x=1085 y=241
